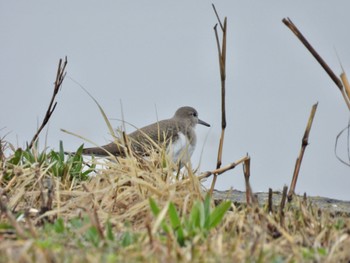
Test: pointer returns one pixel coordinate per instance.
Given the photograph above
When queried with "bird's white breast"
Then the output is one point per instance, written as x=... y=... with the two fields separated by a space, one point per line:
x=181 y=149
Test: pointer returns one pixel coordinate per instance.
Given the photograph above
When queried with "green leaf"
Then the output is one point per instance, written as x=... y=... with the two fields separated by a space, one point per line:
x=194 y=219
x=54 y=156
x=77 y=223
x=154 y=207
x=42 y=157
x=207 y=211
x=174 y=217
x=127 y=239
x=176 y=224
x=17 y=157
x=218 y=213
x=93 y=236
x=79 y=151
x=28 y=156
x=322 y=251
x=59 y=225
x=109 y=231
x=61 y=152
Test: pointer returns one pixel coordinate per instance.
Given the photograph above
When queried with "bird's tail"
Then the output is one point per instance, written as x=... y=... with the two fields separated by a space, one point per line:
x=105 y=150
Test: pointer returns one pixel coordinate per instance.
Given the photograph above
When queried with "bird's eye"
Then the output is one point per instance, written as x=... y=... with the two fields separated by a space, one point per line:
x=195 y=114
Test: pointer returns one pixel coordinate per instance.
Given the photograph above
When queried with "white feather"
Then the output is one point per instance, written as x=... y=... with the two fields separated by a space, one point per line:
x=181 y=149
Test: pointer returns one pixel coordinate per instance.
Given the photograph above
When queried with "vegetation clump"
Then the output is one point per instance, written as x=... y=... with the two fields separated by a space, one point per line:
x=56 y=207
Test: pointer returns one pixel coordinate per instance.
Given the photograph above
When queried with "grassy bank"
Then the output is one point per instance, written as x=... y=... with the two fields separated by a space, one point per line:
x=55 y=208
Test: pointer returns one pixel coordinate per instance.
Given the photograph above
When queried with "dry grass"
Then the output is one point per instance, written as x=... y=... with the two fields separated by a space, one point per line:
x=52 y=212
x=115 y=203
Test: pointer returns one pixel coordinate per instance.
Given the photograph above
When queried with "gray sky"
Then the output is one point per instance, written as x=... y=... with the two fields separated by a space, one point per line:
x=162 y=54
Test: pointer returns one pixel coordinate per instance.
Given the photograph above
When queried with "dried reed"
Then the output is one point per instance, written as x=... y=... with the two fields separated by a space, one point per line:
x=304 y=144
x=222 y=65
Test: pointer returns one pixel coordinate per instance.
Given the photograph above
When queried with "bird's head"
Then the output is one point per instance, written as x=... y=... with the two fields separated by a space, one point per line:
x=190 y=116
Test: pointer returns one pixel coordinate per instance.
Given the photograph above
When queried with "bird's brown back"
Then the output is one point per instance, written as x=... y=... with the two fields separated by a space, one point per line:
x=141 y=139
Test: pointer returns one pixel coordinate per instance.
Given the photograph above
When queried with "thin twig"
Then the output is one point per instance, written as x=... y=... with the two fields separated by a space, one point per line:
x=304 y=143
x=52 y=106
x=347 y=128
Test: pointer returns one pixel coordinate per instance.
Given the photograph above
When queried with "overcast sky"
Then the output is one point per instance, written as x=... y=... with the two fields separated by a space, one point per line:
x=162 y=55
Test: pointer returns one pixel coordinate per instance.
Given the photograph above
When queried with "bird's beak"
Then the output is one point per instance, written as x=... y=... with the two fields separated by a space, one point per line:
x=203 y=123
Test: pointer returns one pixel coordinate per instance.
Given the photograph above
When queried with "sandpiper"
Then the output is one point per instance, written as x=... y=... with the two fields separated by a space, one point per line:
x=177 y=133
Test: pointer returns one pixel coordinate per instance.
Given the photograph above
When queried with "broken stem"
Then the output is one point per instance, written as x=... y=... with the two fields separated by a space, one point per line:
x=304 y=143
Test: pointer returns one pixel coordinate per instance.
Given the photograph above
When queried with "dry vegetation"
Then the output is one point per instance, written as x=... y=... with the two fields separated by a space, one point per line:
x=109 y=217
x=58 y=208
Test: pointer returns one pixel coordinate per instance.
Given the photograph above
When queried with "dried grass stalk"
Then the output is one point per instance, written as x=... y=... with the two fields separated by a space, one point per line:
x=52 y=106
x=320 y=60
x=304 y=143
x=222 y=64
x=346 y=90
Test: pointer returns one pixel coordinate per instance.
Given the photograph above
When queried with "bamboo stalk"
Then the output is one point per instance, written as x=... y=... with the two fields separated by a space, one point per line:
x=304 y=143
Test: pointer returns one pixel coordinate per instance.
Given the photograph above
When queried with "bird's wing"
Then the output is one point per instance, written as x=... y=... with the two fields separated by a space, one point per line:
x=159 y=132
x=112 y=148
x=156 y=133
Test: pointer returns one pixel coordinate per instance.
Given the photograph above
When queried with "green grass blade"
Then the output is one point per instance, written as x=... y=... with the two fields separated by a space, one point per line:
x=206 y=205
x=154 y=207
x=176 y=224
x=174 y=217
x=218 y=213
x=194 y=219
x=61 y=152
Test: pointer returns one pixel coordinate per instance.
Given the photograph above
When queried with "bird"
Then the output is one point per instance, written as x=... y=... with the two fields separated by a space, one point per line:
x=177 y=134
